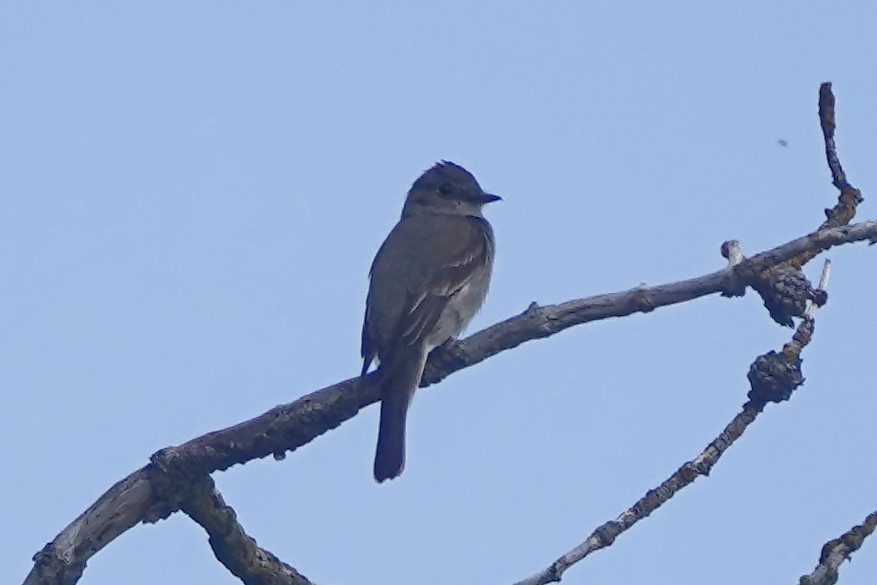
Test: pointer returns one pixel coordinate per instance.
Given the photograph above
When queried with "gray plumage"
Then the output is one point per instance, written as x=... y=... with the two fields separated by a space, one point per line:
x=428 y=280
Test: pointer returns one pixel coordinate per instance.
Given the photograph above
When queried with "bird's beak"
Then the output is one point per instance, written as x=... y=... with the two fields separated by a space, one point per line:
x=487 y=198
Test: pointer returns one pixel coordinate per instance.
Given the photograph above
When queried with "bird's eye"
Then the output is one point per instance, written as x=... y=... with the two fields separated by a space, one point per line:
x=446 y=189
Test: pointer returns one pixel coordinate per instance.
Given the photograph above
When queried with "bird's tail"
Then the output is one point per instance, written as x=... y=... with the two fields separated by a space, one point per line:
x=397 y=390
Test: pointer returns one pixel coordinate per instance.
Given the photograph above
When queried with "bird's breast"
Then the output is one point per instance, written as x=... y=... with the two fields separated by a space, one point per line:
x=461 y=307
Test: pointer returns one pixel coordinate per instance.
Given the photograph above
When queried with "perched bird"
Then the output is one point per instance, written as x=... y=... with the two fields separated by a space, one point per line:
x=427 y=281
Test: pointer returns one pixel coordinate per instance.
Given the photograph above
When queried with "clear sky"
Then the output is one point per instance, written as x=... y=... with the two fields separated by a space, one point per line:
x=190 y=197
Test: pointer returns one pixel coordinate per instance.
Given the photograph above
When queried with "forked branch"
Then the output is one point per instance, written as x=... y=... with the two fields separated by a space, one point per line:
x=178 y=477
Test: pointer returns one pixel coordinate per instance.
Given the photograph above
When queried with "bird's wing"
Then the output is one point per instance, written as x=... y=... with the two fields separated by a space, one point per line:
x=456 y=246
x=367 y=349
x=458 y=254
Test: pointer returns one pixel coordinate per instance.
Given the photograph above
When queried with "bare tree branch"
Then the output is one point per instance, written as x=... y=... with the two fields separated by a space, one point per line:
x=780 y=285
x=176 y=477
x=237 y=551
x=543 y=321
x=606 y=534
x=773 y=376
x=837 y=551
x=285 y=428
x=850 y=197
x=118 y=509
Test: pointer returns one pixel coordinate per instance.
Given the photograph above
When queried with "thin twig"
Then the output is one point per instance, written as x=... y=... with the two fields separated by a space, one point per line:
x=836 y=551
x=828 y=123
x=781 y=285
x=605 y=535
x=822 y=286
x=733 y=252
x=849 y=198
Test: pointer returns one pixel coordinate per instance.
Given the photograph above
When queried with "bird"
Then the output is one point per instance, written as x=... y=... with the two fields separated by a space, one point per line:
x=427 y=281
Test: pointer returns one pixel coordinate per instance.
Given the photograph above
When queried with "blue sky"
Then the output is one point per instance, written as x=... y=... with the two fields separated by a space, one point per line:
x=190 y=198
